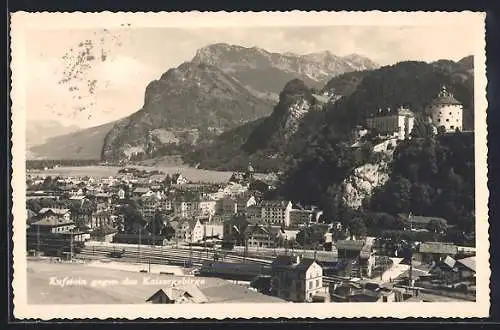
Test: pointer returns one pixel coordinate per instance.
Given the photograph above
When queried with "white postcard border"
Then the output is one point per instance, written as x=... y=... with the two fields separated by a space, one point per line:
x=22 y=21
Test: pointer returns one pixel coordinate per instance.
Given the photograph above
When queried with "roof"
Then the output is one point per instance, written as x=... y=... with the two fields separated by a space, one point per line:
x=438 y=248
x=274 y=203
x=191 y=292
x=51 y=222
x=350 y=245
x=30 y=214
x=141 y=190
x=421 y=219
x=469 y=263
x=445 y=98
x=449 y=261
x=283 y=261
x=53 y=210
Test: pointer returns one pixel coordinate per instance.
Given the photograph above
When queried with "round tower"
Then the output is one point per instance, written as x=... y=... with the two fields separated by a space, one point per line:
x=446 y=111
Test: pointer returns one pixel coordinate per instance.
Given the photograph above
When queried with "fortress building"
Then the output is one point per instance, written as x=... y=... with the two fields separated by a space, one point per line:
x=446 y=111
x=398 y=123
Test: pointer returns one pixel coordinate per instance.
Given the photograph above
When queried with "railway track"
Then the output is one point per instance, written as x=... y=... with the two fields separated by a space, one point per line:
x=169 y=255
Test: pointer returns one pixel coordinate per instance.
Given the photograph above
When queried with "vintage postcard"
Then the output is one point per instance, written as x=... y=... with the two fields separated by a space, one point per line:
x=260 y=164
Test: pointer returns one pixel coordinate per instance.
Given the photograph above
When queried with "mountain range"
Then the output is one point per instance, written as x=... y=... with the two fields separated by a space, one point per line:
x=302 y=120
x=222 y=87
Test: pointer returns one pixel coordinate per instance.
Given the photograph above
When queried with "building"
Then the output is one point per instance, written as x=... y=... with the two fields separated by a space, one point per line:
x=227 y=206
x=369 y=292
x=453 y=271
x=398 y=123
x=139 y=191
x=179 y=179
x=446 y=111
x=178 y=295
x=358 y=255
x=53 y=225
x=276 y=212
x=207 y=207
x=245 y=201
x=429 y=252
x=149 y=206
x=213 y=230
x=296 y=279
x=55 y=213
x=417 y=222
x=300 y=216
x=121 y=193
x=101 y=219
x=261 y=236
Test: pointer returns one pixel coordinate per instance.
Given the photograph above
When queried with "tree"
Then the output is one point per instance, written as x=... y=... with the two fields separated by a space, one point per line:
x=436 y=226
x=422 y=129
x=357 y=226
x=156 y=225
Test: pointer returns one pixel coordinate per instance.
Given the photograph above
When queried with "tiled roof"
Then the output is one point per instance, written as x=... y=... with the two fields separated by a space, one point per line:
x=274 y=203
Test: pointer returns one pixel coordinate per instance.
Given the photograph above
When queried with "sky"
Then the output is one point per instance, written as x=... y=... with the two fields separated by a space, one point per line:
x=88 y=77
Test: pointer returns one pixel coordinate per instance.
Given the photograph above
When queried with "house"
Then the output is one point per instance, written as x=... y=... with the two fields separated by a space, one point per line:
x=52 y=225
x=260 y=235
x=453 y=271
x=179 y=179
x=296 y=279
x=101 y=219
x=198 y=230
x=31 y=216
x=207 y=207
x=227 y=206
x=358 y=254
x=397 y=123
x=244 y=201
x=369 y=292
x=299 y=216
x=54 y=213
x=213 y=230
x=429 y=252
x=149 y=205
x=121 y=193
x=178 y=295
x=139 y=191
x=417 y=222
x=276 y=212
x=184 y=230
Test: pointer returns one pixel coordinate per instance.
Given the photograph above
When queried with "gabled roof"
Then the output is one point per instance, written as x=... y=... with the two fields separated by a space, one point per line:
x=53 y=210
x=191 y=292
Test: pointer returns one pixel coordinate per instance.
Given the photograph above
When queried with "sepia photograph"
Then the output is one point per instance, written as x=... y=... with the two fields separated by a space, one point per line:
x=287 y=164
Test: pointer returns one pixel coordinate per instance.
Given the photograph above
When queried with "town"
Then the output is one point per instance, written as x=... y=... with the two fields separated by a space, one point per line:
x=233 y=231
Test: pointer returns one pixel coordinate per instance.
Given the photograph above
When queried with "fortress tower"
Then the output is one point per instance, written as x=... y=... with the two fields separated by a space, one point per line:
x=446 y=111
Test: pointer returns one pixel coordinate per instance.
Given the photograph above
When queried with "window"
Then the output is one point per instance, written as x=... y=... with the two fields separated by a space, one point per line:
x=447 y=119
x=452 y=127
x=317 y=283
x=450 y=112
x=310 y=284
